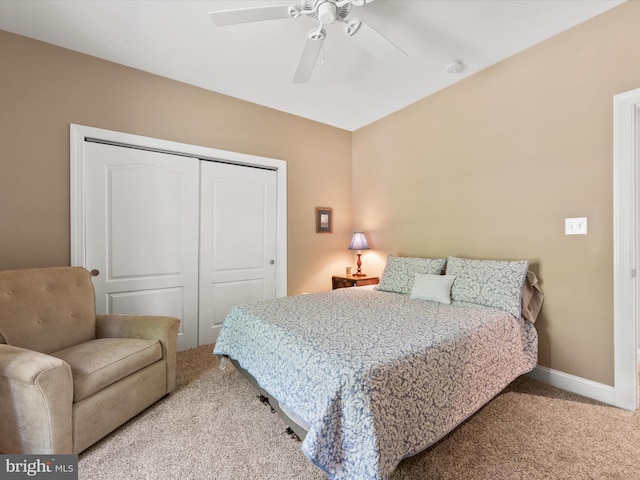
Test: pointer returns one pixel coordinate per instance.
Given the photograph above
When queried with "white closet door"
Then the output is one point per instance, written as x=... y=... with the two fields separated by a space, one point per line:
x=237 y=241
x=142 y=215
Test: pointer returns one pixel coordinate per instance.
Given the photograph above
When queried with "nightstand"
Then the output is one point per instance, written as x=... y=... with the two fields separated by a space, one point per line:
x=343 y=281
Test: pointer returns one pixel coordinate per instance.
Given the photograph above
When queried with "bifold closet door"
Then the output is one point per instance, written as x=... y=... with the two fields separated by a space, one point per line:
x=142 y=223
x=237 y=241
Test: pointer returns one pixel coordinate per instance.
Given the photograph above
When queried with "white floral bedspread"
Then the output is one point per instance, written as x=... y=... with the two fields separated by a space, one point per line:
x=377 y=375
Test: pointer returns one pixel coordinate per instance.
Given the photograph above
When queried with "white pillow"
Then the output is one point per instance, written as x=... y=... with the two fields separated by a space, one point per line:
x=436 y=288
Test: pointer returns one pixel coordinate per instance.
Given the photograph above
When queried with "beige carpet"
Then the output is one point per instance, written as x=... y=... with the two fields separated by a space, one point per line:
x=214 y=427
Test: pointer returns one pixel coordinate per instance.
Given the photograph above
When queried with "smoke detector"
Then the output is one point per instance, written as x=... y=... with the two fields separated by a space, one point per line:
x=454 y=66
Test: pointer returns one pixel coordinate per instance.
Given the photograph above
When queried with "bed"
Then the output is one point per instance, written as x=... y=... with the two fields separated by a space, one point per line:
x=370 y=376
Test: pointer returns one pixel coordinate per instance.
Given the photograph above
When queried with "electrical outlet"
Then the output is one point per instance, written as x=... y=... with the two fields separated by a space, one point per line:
x=575 y=226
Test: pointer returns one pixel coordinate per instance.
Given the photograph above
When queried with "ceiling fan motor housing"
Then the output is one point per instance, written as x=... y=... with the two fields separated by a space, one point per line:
x=326 y=11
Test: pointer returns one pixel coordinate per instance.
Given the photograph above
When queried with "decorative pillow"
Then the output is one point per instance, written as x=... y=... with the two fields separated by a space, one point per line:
x=436 y=288
x=399 y=272
x=492 y=283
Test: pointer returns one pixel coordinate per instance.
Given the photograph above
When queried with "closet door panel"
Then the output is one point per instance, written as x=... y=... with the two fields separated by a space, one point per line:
x=142 y=222
x=237 y=241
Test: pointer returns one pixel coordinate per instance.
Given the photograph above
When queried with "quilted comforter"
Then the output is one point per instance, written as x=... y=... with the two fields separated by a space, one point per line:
x=378 y=376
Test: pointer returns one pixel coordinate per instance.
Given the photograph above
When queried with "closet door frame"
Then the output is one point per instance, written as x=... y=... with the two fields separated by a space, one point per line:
x=78 y=135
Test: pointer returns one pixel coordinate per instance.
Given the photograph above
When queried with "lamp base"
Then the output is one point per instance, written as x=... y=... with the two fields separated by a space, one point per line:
x=359 y=264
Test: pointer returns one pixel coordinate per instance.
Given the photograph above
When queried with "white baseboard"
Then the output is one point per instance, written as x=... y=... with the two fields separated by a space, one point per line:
x=571 y=383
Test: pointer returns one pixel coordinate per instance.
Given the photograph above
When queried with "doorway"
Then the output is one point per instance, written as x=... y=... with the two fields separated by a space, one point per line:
x=626 y=247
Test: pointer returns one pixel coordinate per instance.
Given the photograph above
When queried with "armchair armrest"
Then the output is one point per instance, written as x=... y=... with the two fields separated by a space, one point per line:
x=150 y=327
x=36 y=401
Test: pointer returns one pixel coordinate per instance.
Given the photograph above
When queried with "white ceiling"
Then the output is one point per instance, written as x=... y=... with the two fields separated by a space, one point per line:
x=256 y=61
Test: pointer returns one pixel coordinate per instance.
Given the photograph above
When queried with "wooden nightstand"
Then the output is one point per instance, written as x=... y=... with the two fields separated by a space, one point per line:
x=343 y=281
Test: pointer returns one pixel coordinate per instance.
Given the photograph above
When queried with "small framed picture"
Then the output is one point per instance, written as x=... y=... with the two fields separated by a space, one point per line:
x=324 y=220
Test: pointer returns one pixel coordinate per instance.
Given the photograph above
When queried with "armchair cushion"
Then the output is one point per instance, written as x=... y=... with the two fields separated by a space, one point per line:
x=163 y=329
x=99 y=363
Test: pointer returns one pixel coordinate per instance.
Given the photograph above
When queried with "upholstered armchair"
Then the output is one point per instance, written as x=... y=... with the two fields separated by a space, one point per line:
x=68 y=377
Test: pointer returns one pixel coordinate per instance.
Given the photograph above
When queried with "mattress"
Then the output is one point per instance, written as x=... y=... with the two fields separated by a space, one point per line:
x=376 y=376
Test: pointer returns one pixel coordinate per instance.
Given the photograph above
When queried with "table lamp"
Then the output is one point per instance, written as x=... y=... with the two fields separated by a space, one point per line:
x=359 y=243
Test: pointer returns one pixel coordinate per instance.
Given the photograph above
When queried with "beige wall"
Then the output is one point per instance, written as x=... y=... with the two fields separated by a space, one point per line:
x=490 y=167
x=45 y=88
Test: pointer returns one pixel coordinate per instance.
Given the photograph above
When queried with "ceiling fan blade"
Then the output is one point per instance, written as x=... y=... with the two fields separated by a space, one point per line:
x=246 y=15
x=309 y=55
x=372 y=41
x=356 y=3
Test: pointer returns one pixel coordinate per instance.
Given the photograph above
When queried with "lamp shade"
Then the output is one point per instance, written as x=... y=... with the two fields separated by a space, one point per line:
x=358 y=242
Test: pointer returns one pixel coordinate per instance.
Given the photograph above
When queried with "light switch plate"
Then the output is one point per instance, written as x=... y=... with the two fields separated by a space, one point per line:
x=575 y=226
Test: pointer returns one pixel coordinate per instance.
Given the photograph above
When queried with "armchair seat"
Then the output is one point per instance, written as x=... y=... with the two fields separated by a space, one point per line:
x=96 y=364
x=69 y=376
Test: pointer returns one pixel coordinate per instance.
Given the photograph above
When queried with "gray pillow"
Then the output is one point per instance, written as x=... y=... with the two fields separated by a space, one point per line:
x=492 y=283
x=399 y=272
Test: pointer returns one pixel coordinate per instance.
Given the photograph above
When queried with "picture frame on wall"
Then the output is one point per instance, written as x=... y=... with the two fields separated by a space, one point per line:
x=324 y=220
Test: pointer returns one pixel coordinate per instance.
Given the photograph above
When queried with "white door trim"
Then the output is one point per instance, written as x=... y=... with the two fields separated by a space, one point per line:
x=626 y=187
x=78 y=134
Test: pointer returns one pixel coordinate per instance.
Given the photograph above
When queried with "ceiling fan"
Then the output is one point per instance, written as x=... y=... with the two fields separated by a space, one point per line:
x=324 y=12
